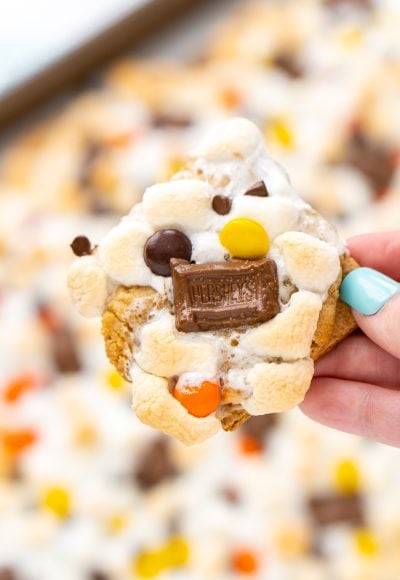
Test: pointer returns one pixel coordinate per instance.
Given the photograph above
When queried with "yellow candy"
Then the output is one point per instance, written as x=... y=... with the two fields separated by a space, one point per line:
x=278 y=131
x=177 y=552
x=366 y=543
x=114 y=380
x=116 y=523
x=347 y=477
x=149 y=564
x=57 y=500
x=244 y=238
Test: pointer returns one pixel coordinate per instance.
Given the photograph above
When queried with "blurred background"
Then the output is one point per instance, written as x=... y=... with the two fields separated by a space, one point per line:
x=86 y=491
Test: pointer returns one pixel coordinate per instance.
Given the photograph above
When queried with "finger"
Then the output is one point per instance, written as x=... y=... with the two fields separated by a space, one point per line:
x=378 y=251
x=355 y=407
x=376 y=298
x=359 y=359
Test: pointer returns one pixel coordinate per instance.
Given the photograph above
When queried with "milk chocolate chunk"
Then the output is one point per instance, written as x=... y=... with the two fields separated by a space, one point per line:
x=219 y=295
x=81 y=246
x=155 y=464
x=164 y=245
x=372 y=159
x=337 y=509
x=259 y=189
x=221 y=204
x=260 y=427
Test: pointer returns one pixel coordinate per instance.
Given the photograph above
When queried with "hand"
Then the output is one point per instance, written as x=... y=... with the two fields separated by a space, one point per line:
x=356 y=387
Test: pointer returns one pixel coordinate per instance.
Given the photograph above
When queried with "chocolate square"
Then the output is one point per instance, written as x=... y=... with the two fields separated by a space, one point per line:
x=337 y=509
x=220 y=295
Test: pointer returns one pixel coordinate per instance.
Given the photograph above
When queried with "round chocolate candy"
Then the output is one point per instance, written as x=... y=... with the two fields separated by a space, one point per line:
x=164 y=245
x=81 y=246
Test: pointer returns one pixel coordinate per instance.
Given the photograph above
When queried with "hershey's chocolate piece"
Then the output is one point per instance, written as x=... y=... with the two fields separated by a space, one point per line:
x=224 y=294
x=221 y=204
x=364 y=4
x=259 y=189
x=164 y=245
x=260 y=426
x=288 y=63
x=337 y=509
x=7 y=573
x=164 y=120
x=64 y=350
x=374 y=160
x=231 y=495
x=81 y=246
x=155 y=464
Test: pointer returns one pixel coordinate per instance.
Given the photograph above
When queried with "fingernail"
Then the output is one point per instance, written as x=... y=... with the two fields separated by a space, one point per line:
x=367 y=290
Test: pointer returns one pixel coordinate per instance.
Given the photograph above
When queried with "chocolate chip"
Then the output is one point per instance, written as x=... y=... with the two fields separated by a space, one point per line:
x=260 y=426
x=373 y=160
x=337 y=509
x=259 y=189
x=163 y=120
x=64 y=350
x=81 y=246
x=7 y=573
x=172 y=382
x=164 y=245
x=154 y=465
x=98 y=575
x=288 y=63
x=221 y=204
x=219 y=295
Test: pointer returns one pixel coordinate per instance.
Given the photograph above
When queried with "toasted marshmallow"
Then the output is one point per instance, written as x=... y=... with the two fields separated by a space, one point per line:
x=275 y=214
x=231 y=139
x=311 y=263
x=277 y=387
x=121 y=253
x=156 y=407
x=88 y=286
x=184 y=204
x=164 y=353
x=290 y=333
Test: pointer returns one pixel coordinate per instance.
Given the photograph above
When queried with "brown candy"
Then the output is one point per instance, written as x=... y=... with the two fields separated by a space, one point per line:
x=337 y=509
x=221 y=204
x=260 y=426
x=155 y=464
x=259 y=189
x=373 y=160
x=81 y=246
x=364 y=4
x=163 y=120
x=7 y=573
x=164 y=245
x=288 y=63
x=64 y=350
x=224 y=294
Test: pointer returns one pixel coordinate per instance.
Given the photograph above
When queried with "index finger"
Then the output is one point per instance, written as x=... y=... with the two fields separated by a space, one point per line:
x=378 y=251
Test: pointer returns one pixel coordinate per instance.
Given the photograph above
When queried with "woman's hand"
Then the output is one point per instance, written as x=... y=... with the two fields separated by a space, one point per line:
x=356 y=387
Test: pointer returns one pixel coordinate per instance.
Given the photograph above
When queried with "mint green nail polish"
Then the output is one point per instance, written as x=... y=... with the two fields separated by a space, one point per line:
x=367 y=290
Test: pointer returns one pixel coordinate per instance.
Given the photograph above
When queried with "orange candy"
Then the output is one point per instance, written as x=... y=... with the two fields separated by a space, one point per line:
x=199 y=400
x=249 y=445
x=244 y=561
x=15 y=442
x=19 y=385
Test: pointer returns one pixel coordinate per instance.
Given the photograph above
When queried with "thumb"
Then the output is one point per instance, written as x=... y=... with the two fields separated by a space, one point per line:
x=375 y=298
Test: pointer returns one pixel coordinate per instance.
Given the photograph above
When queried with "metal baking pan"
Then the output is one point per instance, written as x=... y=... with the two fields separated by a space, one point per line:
x=138 y=20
